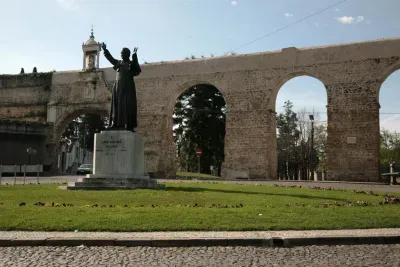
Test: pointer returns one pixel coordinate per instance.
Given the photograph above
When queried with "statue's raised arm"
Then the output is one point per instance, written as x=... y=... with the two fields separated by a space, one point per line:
x=108 y=55
x=135 y=67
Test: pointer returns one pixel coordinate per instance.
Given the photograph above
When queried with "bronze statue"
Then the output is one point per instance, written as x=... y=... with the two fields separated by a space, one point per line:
x=123 y=113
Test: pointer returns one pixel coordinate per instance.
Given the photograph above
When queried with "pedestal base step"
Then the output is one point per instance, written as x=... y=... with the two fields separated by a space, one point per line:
x=114 y=184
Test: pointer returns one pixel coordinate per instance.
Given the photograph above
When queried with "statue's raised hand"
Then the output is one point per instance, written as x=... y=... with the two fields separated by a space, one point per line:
x=135 y=50
x=104 y=46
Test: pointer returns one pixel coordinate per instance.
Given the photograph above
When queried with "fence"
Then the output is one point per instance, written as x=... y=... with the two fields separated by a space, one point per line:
x=385 y=168
x=20 y=169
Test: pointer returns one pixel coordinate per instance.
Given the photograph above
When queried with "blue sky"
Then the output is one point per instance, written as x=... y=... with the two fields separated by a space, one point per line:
x=48 y=34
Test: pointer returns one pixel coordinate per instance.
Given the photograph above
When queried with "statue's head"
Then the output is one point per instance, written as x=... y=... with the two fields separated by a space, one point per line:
x=125 y=53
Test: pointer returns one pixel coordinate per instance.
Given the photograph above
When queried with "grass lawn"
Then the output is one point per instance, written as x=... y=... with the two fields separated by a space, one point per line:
x=254 y=208
x=196 y=175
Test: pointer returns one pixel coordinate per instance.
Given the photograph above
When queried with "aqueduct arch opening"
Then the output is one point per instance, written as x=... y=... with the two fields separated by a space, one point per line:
x=61 y=124
x=389 y=120
x=301 y=148
x=199 y=122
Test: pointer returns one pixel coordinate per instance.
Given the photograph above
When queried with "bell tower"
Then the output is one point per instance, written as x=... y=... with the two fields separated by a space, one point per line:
x=91 y=53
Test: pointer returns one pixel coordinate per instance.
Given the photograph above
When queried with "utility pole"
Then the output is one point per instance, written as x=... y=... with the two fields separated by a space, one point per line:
x=312 y=148
x=84 y=144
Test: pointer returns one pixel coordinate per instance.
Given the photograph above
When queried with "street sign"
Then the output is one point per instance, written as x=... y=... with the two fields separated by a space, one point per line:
x=199 y=152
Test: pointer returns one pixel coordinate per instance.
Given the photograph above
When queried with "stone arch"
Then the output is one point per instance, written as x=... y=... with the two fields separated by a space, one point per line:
x=177 y=91
x=393 y=70
x=67 y=117
x=276 y=88
x=54 y=135
x=386 y=73
x=169 y=110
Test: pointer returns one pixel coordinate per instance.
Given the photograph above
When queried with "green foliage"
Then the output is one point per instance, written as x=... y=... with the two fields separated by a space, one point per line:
x=287 y=141
x=84 y=127
x=390 y=147
x=174 y=209
x=320 y=141
x=199 y=123
x=295 y=154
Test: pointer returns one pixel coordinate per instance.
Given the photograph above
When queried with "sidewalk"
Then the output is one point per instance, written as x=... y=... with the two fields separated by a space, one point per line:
x=183 y=239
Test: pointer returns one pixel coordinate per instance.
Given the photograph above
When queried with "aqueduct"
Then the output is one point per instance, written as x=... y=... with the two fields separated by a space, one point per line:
x=351 y=73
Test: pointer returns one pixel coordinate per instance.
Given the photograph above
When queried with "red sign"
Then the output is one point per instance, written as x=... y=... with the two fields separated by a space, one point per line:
x=199 y=152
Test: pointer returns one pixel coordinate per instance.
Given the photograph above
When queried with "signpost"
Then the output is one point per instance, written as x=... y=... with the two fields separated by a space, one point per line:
x=199 y=152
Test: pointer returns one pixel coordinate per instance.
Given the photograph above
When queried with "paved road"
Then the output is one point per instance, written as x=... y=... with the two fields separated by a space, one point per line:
x=343 y=185
x=373 y=255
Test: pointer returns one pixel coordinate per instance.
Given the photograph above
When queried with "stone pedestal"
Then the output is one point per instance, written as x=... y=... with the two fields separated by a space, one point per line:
x=118 y=163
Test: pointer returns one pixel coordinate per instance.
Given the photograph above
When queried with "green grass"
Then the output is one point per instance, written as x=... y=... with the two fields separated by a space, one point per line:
x=195 y=175
x=171 y=213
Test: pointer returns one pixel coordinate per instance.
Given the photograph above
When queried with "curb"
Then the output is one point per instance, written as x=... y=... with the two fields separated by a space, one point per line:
x=205 y=242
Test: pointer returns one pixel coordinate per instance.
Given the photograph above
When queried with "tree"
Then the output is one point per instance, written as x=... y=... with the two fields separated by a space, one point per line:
x=320 y=138
x=287 y=141
x=199 y=123
x=83 y=128
x=296 y=156
x=390 y=147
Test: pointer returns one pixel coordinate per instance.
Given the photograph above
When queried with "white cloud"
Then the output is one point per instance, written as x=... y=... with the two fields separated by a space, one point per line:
x=350 y=19
x=391 y=123
x=68 y=5
x=288 y=15
x=234 y=3
x=345 y=20
x=359 y=19
x=337 y=9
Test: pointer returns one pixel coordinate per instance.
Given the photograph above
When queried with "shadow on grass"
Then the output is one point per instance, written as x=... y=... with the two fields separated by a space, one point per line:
x=198 y=189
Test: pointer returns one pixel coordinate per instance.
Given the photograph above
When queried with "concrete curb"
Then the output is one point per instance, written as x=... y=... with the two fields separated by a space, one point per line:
x=204 y=242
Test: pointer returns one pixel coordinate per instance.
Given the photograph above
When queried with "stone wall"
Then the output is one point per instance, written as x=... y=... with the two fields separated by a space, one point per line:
x=24 y=97
x=351 y=73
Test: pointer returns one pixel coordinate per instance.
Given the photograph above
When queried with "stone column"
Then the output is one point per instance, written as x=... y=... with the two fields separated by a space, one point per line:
x=247 y=145
x=84 y=61
x=98 y=58
x=353 y=132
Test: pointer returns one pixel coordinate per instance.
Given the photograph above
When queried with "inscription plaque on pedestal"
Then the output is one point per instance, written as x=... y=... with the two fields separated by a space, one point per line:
x=119 y=152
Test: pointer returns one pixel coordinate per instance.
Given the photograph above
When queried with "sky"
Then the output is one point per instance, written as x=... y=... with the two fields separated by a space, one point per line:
x=48 y=34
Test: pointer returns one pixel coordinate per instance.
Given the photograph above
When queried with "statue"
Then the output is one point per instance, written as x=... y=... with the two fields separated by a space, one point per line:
x=22 y=71
x=91 y=63
x=34 y=70
x=123 y=113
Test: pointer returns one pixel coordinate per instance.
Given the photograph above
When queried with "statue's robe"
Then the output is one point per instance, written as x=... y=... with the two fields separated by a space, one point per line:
x=123 y=113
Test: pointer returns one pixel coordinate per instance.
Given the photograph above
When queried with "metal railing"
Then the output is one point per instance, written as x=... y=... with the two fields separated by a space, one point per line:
x=23 y=169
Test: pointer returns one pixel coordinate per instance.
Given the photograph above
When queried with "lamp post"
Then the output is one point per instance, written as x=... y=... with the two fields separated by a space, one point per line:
x=84 y=144
x=312 y=148
x=30 y=152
